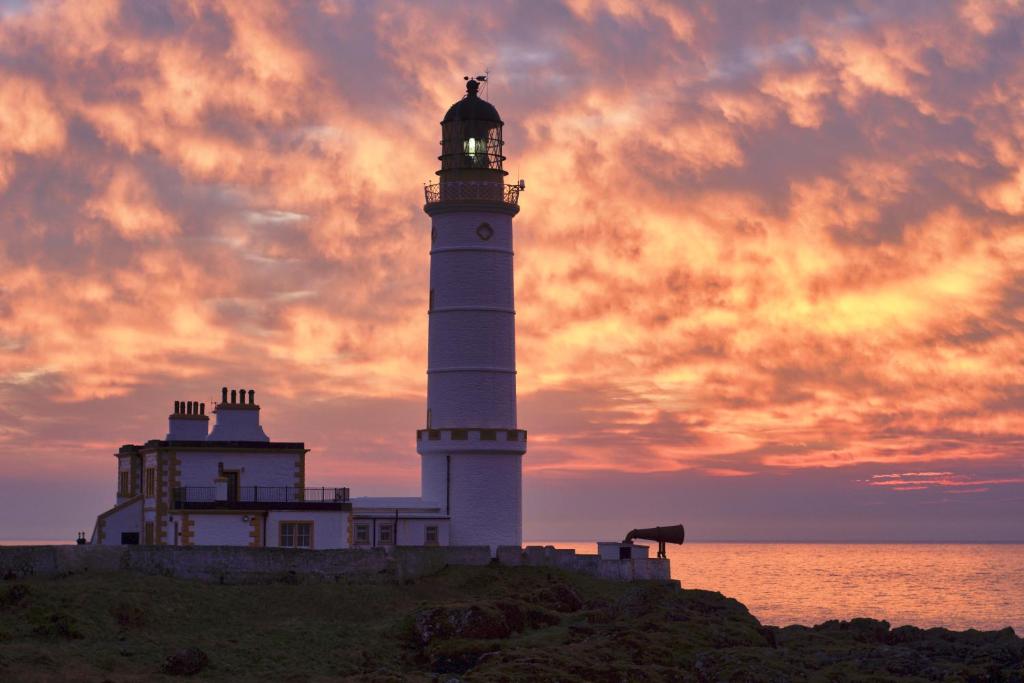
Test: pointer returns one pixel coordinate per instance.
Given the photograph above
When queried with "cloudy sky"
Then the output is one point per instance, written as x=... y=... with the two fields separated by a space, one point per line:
x=769 y=264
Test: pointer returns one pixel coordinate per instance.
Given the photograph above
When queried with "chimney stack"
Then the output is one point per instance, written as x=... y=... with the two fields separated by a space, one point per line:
x=238 y=417
x=188 y=422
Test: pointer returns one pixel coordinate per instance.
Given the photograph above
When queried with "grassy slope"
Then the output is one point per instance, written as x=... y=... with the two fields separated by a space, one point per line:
x=120 y=627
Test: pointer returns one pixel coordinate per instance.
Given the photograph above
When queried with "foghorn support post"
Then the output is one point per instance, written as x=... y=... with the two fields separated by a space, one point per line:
x=662 y=534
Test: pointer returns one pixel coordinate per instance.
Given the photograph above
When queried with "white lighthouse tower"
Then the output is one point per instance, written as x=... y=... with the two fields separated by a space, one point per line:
x=472 y=449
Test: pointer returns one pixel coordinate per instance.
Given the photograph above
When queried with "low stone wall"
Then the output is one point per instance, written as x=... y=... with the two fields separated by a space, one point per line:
x=653 y=569
x=231 y=564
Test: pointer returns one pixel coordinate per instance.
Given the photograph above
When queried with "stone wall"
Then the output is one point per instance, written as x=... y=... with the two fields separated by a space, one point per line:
x=652 y=569
x=231 y=564
x=234 y=564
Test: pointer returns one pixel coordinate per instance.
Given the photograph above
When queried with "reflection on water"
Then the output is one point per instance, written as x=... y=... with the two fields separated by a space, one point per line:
x=955 y=586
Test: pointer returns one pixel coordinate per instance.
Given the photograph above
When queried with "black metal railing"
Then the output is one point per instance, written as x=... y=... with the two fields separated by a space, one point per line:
x=261 y=494
x=471 y=190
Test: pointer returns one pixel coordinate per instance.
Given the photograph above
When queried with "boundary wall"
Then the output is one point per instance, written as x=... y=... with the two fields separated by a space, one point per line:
x=640 y=569
x=236 y=564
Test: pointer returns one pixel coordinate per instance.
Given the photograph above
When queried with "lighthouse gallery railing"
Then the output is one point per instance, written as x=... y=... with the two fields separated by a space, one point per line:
x=471 y=190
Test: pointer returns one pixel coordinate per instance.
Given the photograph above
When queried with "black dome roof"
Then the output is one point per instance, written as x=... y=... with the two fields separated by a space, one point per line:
x=472 y=108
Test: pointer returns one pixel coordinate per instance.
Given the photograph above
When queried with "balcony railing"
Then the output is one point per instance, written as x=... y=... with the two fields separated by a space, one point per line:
x=263 y=495
x=470 y=190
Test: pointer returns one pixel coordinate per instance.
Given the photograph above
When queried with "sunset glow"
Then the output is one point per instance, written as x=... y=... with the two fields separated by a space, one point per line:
x=776 y=261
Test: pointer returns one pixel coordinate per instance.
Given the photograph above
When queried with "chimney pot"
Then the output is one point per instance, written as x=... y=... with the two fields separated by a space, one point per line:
x=252 y=397
x=234 y=396
x=202 y=408
x=177 y=407
x=191 y=408
x=224 y=395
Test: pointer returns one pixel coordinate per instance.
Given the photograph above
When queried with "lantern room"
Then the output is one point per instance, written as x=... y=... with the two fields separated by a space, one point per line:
x=471 y=139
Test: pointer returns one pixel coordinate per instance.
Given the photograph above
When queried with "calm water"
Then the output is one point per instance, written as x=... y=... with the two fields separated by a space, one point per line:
x=955 y=586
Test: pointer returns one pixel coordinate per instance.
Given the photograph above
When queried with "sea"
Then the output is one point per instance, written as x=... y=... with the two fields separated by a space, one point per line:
x=955 y=586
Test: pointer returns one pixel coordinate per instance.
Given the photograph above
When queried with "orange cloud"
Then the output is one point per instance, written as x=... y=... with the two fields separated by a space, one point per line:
x=777 y=245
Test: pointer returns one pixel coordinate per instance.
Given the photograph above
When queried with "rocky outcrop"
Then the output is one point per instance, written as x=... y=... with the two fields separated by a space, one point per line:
x=657 y=632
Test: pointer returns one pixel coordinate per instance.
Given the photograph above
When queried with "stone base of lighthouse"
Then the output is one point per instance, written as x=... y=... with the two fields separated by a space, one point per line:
x=477 y=481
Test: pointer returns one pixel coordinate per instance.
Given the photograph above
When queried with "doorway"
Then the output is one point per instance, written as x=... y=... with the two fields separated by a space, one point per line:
x=232 y=478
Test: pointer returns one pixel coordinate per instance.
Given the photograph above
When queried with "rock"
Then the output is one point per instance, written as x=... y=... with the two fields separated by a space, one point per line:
x=187 y=662
x=861 y=630
x=472 y=621
x=559 y=597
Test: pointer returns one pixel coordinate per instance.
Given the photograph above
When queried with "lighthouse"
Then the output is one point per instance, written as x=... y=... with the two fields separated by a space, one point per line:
x=472 y=447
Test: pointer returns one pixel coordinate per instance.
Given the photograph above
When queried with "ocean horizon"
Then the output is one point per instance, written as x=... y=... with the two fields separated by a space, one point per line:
x=952 y=585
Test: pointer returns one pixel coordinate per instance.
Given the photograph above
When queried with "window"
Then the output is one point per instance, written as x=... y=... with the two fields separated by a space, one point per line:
x=149 y=533
x=150 y=481
x=387 y=534
x=124 y=483
x=362 y=534
x=430 y=535
x=296 y=534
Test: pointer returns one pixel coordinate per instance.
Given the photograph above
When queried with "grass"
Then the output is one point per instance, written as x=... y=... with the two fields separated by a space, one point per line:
x=477 y=623
x=121 y=627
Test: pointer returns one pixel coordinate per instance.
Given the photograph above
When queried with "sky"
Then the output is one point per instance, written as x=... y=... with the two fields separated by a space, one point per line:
x=769 y=262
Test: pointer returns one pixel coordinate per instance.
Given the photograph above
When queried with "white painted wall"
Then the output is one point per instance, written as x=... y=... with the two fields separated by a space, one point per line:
x=125 y=519
x=255 y=468
x=237 y=423
x=411 y=531
x=215 y=529
x=434 y=478
x=486 y=499
x=471 y=350
x=187 y=428
x=330 y=527
x=471 y=381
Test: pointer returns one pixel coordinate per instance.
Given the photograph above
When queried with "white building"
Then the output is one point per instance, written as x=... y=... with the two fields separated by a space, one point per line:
x=231 y=486
x=234 y=486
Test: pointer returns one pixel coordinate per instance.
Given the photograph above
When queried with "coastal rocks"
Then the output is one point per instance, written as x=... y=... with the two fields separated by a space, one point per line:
x=470 y=621
x=559 y=597
x=187 y=662
x=868 y=647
